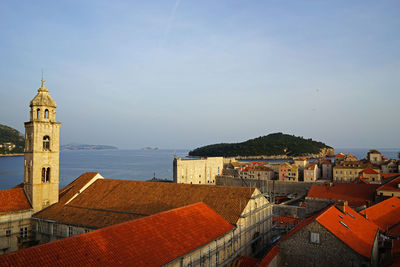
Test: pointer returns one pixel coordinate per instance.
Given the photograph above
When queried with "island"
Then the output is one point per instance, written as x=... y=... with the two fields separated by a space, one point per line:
x=12 y=143
x=74 y=146
x=275 y=145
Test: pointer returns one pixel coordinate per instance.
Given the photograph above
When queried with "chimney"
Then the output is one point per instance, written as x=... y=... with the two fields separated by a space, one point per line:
x=341 y=205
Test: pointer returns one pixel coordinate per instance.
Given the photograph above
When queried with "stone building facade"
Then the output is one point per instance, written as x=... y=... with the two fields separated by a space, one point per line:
x=197 y=171
x=332 y=242
x=311 y=173
x=42 y=150
x=41 y=175
x=348 y=171
x=288 y=172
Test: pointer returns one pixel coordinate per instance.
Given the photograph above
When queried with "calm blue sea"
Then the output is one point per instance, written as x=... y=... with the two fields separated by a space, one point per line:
x=122 y=164
x=113 y=164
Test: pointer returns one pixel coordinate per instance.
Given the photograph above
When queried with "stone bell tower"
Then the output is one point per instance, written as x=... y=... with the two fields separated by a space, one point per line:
x=42 y=151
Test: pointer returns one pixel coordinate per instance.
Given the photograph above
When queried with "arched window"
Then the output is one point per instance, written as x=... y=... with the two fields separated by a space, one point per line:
x=46 y=143
x=46 y=114
x=48 y=175
x=43 y=175
x=38 y=113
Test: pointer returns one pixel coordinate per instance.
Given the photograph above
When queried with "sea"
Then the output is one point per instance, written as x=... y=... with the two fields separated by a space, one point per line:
x=124 y=164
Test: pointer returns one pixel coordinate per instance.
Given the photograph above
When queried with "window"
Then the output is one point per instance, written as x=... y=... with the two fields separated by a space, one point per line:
x=46 y=114
x=46 y=143
x=55 y=226
x=315 y=238
x=8 y=232
x=45 y=175
x=70 y=231
x=38 y=113
x=87 y=230
x=48 y=175
x=23 y=232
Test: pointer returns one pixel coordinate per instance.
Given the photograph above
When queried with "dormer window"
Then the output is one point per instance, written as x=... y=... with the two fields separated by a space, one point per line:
x=46 y=114
x=38 y=113
x=46 y=143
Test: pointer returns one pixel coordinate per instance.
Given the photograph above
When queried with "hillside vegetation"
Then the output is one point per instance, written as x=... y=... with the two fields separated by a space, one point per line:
x=270 y=145
x=10 y=135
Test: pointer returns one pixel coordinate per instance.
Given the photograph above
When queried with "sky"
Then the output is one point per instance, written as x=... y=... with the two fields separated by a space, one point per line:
x=180 y=74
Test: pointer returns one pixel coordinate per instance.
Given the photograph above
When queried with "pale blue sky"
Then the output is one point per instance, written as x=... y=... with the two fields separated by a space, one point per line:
x=181 y=74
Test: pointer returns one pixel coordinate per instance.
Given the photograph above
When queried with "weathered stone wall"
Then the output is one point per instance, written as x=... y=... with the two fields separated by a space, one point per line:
x=13 y=222
x=273 y=188
x=197 y=171
x=298 y=250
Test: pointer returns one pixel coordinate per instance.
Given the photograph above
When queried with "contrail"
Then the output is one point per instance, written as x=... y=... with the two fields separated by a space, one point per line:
x=170 y=20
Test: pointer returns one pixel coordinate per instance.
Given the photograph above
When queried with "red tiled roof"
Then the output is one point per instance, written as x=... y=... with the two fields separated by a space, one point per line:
x=350 y=227
x=369 y=171
x=107 y=202
x=391 y=186
x=152 y=241
x=269 y=257
x=355 y=194
x=13 y=199
x=328 y=162
x=340 y=155
x=244 y=261
x=385 y=214
x=75 y=186
x=386 y=176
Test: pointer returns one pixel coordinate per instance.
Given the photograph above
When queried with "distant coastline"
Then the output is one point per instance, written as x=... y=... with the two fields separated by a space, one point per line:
x=86 y=147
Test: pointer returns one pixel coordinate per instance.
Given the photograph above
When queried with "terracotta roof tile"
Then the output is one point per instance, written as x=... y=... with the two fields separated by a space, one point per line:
x=107 y=202
x=350 y=227
x=270 y=256
x=152 y=241
x=385 y=214
x=391 y=186
x=369 y=171
x=13 y=199
x=355 y=194
x=70 y=190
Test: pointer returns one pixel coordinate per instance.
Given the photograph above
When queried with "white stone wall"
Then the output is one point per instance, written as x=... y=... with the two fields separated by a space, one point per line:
x=11 y=238
x=197 y=171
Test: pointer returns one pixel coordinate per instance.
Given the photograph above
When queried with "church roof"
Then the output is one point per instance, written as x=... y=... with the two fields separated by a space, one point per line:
x=13 y=200
x=43 y=98
x=152 y=241
x=106 y=202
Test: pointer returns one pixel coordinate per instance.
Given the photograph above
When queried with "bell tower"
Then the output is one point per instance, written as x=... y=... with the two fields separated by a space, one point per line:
x=42 y=151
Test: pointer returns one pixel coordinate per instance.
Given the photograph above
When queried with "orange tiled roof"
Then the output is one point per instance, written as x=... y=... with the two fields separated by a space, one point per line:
x=350 y=227
x=328 y=162
x=355 y=194
x=107 y=202
x=270 y=256
x=391 y=186
x=369 y=171
x=385 y=214
x=386 y=176
x=340 y=155
x=152 y=241
x=13 y=199
x=70 y=190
